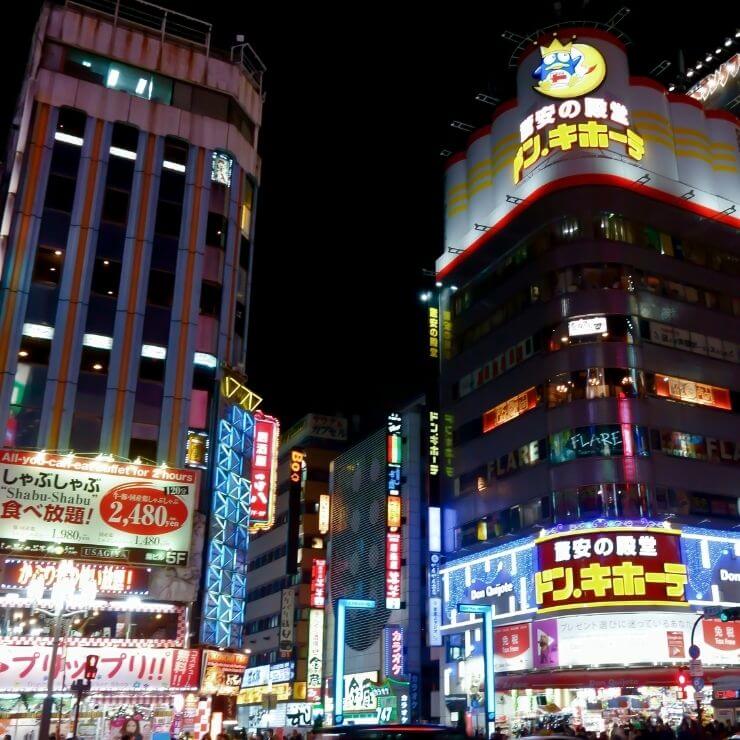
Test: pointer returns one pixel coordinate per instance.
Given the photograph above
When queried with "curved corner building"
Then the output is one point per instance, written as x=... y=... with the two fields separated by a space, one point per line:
x=590 y=337
x=129 y=437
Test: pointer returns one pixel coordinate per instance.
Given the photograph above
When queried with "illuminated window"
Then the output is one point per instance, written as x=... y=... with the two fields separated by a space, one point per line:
x=482 y=531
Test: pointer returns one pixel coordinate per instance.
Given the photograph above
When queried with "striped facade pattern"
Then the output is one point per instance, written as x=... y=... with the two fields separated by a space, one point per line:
x=74 y=290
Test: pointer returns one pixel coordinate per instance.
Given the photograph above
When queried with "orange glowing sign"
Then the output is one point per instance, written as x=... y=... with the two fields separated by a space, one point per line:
x=692 y=392
x=509 y=409
x=394 y=512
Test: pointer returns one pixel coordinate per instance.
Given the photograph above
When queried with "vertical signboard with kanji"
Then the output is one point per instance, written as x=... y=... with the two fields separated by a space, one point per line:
x=315 y=672
x=393 y=545
x=264 y=472
x=287 y=626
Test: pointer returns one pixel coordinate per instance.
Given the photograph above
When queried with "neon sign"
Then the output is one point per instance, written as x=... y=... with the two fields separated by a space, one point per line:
x=562 y=132
x=510 y=409
x=318 y=582
x=614 y=566
x=315 y=655
x=393 y=547
x=324 y=511
x=568 y=70
x=433 y=331
x=264 y=473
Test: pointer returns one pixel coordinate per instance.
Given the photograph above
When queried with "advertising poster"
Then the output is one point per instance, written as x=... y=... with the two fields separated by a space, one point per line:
x=713 y=560
x=26 y=668
x=223 y=672
x=545 y=643
x=512 y=647
x=74 y=507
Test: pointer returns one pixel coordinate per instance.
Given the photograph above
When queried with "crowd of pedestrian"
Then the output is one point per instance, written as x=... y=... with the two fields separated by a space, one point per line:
x=657 y=729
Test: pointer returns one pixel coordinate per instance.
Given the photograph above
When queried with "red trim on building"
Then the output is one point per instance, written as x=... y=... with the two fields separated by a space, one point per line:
x=454 y=159
x=647 y=82
x=508 y=105
x=480 y=133
x=580 y=180
x=724 y=115
x=680 y=98
x=595 y=678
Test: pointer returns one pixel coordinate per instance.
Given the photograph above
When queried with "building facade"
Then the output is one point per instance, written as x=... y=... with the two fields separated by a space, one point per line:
x=287 y=582
x=377 y=552
x=589 y=349
x=125 y=258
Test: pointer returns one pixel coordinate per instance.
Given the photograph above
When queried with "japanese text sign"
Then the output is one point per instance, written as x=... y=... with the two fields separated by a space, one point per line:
x=393 y=571
x=95 y=509
x=562 y=128
x=393 y=639
x=108 y=579
x=617 y=566
x=509 y=409
x=264 y=473
x=318 y=582
x=315 y=671
x=27 y=668
x=223 y=672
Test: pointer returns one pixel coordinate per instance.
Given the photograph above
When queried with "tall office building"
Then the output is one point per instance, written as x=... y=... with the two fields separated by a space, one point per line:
x=125 y=257
x=126 y=232
x=590 y=341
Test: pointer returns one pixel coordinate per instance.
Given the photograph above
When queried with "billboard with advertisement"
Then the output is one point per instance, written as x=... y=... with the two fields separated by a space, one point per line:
x=713 y=562
x=223 y=672
x=502 y=576
x=264 y=675
x=512 y=650
x=610 y=566
x=629 y=638
x=26 y=668
x=598 y=440
x=95 y=509
x=16 y=575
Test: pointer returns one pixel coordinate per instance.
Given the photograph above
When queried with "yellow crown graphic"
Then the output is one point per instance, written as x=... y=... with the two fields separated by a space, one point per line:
x=556 y=45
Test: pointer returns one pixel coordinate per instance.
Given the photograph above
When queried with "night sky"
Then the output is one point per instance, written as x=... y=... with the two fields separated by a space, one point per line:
x=359 y=102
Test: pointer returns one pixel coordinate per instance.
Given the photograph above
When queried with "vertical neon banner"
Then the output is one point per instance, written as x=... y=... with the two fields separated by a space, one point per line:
x=486 y=611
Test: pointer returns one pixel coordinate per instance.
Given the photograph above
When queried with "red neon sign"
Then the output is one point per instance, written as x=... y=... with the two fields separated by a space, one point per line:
x=264 y=473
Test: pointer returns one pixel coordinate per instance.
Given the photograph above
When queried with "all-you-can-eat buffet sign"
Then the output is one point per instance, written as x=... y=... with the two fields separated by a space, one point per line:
x=95 y=509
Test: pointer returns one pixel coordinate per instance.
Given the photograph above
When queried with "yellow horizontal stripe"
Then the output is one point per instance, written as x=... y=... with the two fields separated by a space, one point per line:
x=658 y=140
x=482 y=164
x=683 y=141
x=455 y=211
x=482 y=186
x=691 y=132
x=506 y=163
x=723 y=168
x=726 y=147
x=610 y=603
x=665 y=130
x=505 y=154
x=723 y=158
x=649 y=114
x=694 y=155
x=457 y=188
x=458 y=198
x=504 y=142
x=480 y=176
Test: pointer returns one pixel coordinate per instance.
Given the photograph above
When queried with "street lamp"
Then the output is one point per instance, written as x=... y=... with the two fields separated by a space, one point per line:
x=339 y=629
x=486 y=611
x=72 y=587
